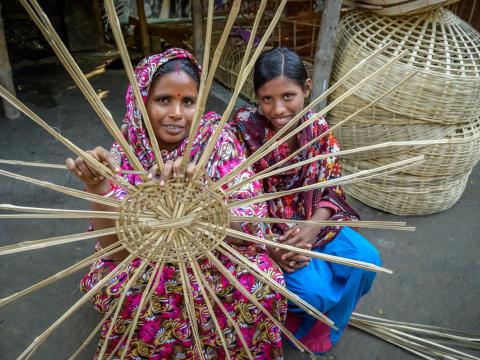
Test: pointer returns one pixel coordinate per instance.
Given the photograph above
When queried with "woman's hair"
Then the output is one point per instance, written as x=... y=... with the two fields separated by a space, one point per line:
x=177 y=65
x=276 y=62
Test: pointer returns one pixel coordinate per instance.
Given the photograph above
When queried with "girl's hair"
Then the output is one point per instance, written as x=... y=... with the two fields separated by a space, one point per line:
x=177 y=65
x=276 y=62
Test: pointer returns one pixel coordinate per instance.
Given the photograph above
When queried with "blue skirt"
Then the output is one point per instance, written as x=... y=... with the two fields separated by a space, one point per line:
x=331 y=288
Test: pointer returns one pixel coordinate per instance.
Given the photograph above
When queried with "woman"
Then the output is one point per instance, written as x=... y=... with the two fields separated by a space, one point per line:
x=282 y=84
x=169 y=85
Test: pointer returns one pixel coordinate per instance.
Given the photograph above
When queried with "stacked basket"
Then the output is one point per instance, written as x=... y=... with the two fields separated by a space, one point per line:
x=441 y=101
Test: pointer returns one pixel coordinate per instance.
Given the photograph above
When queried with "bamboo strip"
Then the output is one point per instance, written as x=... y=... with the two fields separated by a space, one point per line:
x=102 y=169
x=224 y=310
x=40 y=339
x=346 y=179
x=201 y=100
x=64 y=190
x=331 y=258
x=262 y=276
x=211 y=311
x=233 y=280
x=58 y=240
x=60 y=166
x=41 y=20
x=86 y=213
x=268 y=145
x=243 y=75
x=387 y=225
x=117 y=33
x=234 y=10
x=90 y=336
x=190 y=305
x=140 y=307
x=119 y=303
x=109 y=250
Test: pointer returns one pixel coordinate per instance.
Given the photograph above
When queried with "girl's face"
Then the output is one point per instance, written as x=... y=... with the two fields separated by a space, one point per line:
x=170 y=107
x=281 y=98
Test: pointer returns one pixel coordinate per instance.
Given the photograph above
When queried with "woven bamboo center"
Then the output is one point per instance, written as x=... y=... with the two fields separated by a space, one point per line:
x=173 y=222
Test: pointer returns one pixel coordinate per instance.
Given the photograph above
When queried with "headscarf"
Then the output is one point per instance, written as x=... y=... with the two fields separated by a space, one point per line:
x=254 y=129
x=133 y=128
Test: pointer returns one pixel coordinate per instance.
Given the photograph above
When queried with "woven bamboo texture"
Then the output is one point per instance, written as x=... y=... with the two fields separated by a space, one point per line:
x=444 y=51
x=403 y=194
x=402 y=7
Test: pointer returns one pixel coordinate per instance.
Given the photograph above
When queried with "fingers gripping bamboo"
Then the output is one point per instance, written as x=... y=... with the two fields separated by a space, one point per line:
x=117 y=33
x=48 y=31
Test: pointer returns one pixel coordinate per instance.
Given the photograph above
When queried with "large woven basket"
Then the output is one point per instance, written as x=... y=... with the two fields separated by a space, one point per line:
x=444 y=51
x=459 y=155
x=401 y=7
x=404 y=194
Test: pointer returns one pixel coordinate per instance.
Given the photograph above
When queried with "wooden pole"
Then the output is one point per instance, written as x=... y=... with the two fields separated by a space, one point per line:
x=325 y=49
x=143 y=28
x=197 y=19
x=6 y=74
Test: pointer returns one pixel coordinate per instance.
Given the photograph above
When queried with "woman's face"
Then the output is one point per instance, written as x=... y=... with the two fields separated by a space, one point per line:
x=170 y=107
x=281 y=98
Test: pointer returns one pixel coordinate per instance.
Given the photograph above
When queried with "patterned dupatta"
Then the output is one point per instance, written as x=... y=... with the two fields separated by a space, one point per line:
x=253 y=130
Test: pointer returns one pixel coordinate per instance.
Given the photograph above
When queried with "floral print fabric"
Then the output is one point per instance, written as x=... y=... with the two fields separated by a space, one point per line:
x=163 y=330
x=253 y=130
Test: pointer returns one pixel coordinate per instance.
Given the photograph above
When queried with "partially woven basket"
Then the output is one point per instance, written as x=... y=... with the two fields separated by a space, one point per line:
x=401 y=7
x=403 y=194
x=444 y=50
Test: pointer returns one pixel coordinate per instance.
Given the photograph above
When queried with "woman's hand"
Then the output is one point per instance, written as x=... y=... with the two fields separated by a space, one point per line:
x=93 y=181
x=171 y=170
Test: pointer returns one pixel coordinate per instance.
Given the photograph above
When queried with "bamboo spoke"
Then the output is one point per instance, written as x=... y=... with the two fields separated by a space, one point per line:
x=388 y=225
x=48 y=31
x=40 y=339
x=140 y=306
x=273 y=143
x=326 y=257
x=109 y=250
x=117 y=33
x=190 y=305
x=86 y=213
x=119 y=303
x=206 y=299
x=63 y=189
x=59 y=166
x=262 y=276
x=233 y=280
x=243 y=75
x=91 y=335
x=269 y=170
x=223 y=309
x=205 y=90
x=58 y=240
x=342 y=180
x=102 y=169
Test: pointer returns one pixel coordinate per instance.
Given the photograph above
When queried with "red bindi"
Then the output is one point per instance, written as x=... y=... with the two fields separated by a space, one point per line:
x=178 y=94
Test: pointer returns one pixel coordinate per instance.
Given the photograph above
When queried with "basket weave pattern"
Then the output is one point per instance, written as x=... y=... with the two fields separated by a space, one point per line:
x=441 y=101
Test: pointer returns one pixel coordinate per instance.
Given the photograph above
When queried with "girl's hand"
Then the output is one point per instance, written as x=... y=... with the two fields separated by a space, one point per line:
x=93 y=181
x=292 y=264
x=302 y=236
x=171 y=170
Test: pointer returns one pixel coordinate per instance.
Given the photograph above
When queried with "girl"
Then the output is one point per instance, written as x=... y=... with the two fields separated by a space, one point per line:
x=169 y=84
x=282 y=84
